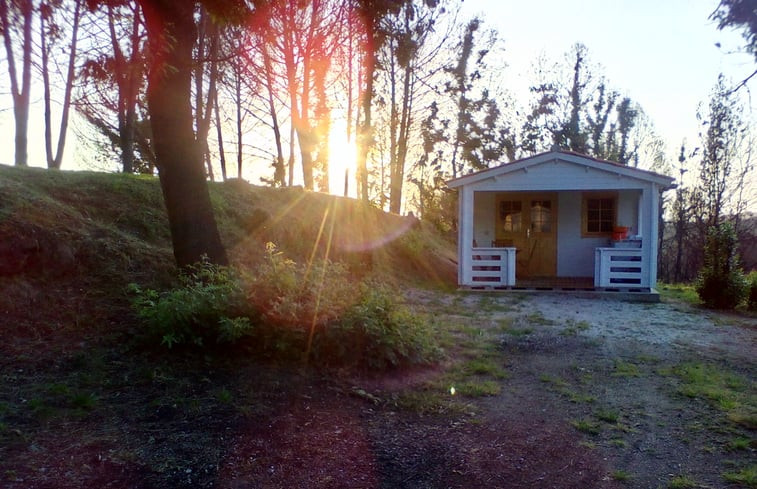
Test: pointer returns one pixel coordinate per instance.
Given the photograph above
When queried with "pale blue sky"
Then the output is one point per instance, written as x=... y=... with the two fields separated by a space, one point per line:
x=661 y=53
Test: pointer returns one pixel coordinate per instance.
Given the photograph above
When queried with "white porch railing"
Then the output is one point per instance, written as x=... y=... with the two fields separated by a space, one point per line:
x=493 y=267
x=618 y=267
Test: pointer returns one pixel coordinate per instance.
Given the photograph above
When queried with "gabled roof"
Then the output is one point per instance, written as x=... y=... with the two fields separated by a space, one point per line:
x=567 y=157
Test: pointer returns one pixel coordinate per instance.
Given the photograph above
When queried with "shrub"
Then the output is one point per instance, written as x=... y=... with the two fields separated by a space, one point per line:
x=377 y=332
x=316 y=311
x=208 y=305
x=721 y=283
x=752 y=300
x=289 y=294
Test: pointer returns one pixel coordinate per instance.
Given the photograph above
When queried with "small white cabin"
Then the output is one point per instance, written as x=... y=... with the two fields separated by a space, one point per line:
x=559 y=220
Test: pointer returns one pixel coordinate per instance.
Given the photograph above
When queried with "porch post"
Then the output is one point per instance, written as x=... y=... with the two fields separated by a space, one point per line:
x=650 y=198
x=465 y=235
x=654 y=234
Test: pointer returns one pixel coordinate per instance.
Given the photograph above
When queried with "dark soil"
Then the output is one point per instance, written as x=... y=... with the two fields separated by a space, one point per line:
x=110 y=414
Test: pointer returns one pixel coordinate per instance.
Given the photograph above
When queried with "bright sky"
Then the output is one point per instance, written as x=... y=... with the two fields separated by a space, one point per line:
x=661 y=53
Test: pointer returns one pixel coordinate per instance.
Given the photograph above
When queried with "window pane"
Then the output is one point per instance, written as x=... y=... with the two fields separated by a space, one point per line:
x=510 y=214
x=541 y=216
x=600 y=215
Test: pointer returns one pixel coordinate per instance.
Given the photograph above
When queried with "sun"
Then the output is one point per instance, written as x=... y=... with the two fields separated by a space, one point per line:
x=342 y=164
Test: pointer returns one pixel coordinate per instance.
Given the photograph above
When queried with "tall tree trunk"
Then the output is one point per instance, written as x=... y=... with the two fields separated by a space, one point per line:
x=279 y=174
x=207 y=49
x=171 y=36
x=221 y=154
x=20 y=94
x=365 y=134
x=398 y=168
x=127 y=82
x=54 y=160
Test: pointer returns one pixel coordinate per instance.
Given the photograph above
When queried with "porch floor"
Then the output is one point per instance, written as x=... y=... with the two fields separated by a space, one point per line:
x=560 y=283
x=583 y=286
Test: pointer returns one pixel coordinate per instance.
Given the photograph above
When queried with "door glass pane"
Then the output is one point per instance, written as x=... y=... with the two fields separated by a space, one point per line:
x=510 y=215
x=541 y=216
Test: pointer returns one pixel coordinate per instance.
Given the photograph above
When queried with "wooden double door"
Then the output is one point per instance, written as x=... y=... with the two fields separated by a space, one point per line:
x=528 y=221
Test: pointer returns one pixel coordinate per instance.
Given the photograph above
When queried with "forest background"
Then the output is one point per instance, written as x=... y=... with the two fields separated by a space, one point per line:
x=384 y=100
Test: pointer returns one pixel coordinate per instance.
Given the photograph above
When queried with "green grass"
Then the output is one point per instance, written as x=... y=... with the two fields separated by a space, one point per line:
x=536 y=318
x=572 y=327
x=606 y=415
x=730 y=393
x=484 y=366
x=679 y=292
x=562 y=387
x=625 y=369
x=588 y=426
x=489 y=304
x=742 y=443
x=84 y=400
x=746 y=477
x=224 y=396
x=505 y=326
x=429 y=401
x=482 y=388
x=683 y=482
x=621 y=475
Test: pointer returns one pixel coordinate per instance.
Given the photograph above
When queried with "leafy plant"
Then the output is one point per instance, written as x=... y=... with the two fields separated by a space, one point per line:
x=721 y=283
x=208 y=305
x=752 y=299
x=289 y=294
x=376 y=332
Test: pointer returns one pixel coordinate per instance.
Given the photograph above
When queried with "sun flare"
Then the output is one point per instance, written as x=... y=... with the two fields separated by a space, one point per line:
x=342 y=164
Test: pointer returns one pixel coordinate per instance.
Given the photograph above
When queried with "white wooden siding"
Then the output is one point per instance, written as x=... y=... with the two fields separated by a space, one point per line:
x=485 y=218
x=559 y=175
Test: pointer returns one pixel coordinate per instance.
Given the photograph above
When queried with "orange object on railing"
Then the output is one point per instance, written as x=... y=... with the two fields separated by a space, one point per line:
x=619 y=233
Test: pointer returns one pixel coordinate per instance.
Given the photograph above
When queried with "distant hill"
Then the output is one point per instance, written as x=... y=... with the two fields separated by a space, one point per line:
x=72 y=241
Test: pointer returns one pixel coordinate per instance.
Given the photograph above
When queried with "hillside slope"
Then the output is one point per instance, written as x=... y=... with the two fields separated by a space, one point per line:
x=72 y=241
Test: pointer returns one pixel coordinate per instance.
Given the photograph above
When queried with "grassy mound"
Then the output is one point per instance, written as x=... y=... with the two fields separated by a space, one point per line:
x=72 y=241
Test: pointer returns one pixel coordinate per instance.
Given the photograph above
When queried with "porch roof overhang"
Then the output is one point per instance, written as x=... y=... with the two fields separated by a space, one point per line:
x=571 y=171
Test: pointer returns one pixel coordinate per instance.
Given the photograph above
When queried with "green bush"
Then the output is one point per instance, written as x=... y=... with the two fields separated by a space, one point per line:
x=377 y=332
x=289 y=311
x=721 y=283
x=752 y=300
x=289 y=294
x=208 y=305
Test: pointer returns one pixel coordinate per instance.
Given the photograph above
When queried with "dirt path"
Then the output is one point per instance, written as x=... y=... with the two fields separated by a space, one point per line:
x=607 y=369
